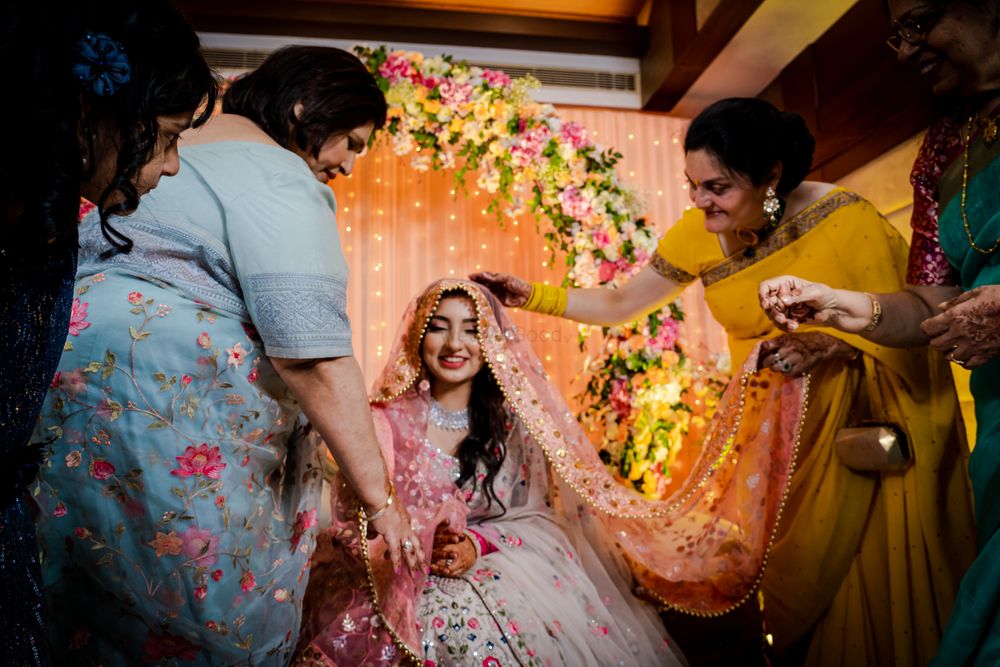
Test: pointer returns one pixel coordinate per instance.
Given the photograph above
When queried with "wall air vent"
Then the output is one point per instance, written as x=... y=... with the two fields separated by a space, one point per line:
x=577 y=79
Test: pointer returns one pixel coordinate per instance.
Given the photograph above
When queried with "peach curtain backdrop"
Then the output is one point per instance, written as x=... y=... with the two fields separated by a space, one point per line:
x=402 y=229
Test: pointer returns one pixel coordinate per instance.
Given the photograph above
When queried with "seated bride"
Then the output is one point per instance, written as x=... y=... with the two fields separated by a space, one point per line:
x=516 y=510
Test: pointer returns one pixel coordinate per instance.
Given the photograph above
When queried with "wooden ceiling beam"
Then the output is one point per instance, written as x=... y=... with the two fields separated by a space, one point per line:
x=679 y=52
x=858 y=101
x=374 y=23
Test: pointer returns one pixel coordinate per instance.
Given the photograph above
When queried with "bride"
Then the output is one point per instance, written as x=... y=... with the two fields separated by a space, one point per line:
x=513 y=503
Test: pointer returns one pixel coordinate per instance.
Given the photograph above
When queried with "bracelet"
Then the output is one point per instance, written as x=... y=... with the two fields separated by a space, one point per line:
x=876 y=315
x=546 y=299
x=381 y=510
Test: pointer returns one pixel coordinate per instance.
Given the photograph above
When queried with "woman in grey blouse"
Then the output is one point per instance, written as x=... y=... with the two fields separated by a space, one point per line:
x=178 y=504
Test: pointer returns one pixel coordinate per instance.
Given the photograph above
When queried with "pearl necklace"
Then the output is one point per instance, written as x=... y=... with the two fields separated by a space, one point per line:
x=449 y=420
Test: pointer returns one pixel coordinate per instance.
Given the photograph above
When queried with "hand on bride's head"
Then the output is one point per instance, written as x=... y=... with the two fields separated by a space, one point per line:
x=510 y=290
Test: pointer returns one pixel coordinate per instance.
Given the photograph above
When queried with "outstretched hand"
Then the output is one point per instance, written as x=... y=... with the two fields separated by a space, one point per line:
x=791 y=302
x=968 y=328
x=510 y=290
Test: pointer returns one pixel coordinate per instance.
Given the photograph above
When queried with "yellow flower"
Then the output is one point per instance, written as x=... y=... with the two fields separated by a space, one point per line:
x=415 y=57
x=482 y=112
x=456 y=125
x=432 y=106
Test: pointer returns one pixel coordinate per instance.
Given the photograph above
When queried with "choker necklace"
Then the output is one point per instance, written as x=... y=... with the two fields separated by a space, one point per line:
x=449 y=420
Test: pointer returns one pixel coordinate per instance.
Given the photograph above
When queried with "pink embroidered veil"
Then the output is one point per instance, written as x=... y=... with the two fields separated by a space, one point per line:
x=701 y=551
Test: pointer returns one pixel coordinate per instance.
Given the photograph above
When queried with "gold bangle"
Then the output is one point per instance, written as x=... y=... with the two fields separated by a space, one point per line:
x=546 y=299
x=381 y=510
x=876 y=315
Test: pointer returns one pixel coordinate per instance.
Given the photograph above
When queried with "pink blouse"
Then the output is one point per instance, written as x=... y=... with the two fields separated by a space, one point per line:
x=928 y=264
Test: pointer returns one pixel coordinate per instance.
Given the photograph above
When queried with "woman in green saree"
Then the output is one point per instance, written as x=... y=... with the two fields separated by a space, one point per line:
x=952 y=299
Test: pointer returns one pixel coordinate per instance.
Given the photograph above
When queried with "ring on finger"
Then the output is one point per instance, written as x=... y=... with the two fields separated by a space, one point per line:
x=407 y=545
x=449 y=561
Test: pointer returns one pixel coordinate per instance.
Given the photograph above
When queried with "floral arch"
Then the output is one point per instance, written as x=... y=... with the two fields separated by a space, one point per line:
x=643 y=394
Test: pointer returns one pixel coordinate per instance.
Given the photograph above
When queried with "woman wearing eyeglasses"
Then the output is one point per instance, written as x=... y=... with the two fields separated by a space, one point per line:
x=952 y=299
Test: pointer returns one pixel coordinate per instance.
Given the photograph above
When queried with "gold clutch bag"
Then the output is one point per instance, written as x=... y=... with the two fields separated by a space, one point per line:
x=873 y=448
x=873 y=445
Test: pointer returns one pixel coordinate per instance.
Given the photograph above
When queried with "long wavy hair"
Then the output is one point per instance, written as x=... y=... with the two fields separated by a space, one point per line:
x=489 y=425
x=61 y=120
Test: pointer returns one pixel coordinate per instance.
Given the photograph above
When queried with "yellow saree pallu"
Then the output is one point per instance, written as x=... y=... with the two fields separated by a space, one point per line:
x=866 y=565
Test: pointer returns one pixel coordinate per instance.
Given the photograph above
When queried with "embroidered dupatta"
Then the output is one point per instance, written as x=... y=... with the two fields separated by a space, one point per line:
x=702 y=551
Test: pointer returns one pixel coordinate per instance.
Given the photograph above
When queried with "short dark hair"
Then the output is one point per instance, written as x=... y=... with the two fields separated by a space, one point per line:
x=750 y=136
x=336 y=90
x=41 y=173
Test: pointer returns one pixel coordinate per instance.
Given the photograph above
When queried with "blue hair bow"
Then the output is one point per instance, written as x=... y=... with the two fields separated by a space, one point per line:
x=102 y=64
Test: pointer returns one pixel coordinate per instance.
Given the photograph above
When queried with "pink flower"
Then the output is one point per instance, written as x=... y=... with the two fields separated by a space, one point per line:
x=620 y=398
x=85 y=208
x=429 y=81
x=81 y=532
x=575 y=134
x=216 y=575
x=455 y=94
x=495 y=78
x=576 y=205
x=220 y=501
x=78 y=317
x=60 y=510
x=530 y=146
x=159 y=647
x=135 y=297
x=253 y=375
x=606 y=271
x=513 y=627
x=201 y=592
x=397 y=66
x=666 y=335
x=303 y=522
x=437 y=623
x=100 y=469
x=280 y=595
x=201 y=546
x=73 y=382
x=204 y=340
x=186 y=379
x=237 y=355
x=601 y=238
x=247 y=581
x=474 y=623
x=198 y=461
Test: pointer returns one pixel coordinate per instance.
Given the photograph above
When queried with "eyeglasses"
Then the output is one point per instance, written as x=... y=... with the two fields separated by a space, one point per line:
x=913 y=29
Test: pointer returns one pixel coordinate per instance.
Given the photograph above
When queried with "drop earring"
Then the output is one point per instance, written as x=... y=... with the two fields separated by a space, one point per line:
x=773 y=206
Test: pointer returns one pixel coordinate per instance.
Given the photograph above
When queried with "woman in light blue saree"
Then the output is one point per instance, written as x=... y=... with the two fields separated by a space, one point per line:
x=178 y=505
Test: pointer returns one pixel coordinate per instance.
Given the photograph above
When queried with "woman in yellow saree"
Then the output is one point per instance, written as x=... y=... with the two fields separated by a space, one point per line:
x=866 y=563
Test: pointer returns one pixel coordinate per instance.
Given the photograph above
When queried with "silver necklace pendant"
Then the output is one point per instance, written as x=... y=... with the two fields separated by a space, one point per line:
x=449 y=420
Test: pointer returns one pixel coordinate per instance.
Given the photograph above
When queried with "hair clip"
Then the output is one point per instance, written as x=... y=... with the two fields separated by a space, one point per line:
x=102 y=64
